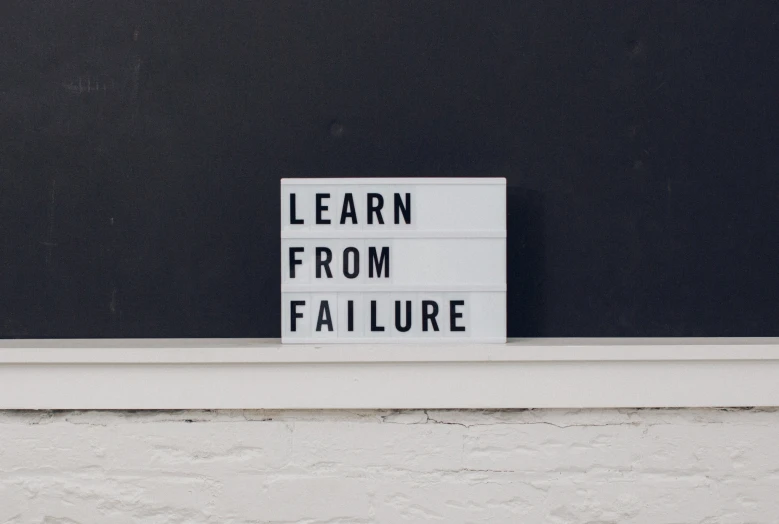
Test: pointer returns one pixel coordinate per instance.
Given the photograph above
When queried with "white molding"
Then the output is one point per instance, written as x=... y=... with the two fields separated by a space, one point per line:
x=269 y=350
x=262 y=373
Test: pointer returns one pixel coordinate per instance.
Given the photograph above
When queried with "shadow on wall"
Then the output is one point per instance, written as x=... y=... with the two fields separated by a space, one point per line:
x=525 y=262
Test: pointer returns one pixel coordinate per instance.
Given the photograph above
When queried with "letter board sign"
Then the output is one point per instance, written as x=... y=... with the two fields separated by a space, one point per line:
x=393 y=260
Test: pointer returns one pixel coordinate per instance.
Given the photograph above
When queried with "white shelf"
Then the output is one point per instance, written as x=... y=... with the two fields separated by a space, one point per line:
x=261 y=373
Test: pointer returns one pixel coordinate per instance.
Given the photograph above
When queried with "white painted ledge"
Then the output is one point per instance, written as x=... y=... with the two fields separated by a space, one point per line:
x=261 y=373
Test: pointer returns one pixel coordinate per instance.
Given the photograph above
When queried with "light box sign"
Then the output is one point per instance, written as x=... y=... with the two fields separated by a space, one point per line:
x=393 y=260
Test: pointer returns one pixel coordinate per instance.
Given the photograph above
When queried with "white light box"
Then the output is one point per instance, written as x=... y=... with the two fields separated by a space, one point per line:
x=393 y=260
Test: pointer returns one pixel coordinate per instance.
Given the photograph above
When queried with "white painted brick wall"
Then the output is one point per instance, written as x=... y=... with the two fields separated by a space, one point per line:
x=541 y=466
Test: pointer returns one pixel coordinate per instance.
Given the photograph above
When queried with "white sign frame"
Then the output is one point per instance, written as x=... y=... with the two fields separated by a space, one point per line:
x=393 y=260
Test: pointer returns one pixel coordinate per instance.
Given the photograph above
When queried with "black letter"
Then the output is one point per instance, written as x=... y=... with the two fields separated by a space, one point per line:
x=348 y=203
x=294 y=315
x=375 y=208
x=324 y=316
x=325 y=262
x=374 y=327
x=350 y=315
x=294 y=261
x=405 y=209
x=356 y=253
x=454 y=315
x=292 y=219
x=405 y=328
x=320 y=207
x=378 y=261
x=429 y=316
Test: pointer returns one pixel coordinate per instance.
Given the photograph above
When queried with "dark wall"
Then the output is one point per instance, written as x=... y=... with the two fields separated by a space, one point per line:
x=142 y=143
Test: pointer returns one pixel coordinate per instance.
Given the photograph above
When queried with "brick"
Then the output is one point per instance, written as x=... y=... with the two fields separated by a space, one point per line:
x=702 y=466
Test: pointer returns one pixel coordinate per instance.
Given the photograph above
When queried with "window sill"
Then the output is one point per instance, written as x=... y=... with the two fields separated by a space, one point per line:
x=263 y=374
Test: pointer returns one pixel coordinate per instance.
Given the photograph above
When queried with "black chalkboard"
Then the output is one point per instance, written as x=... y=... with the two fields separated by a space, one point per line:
x=142 y=144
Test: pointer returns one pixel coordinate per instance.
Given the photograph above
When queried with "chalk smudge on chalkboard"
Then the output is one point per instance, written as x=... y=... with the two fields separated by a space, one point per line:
x=89 y=84
x=49 y=241
x=112 y=303
x=103 y=83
